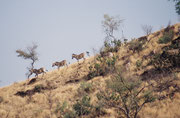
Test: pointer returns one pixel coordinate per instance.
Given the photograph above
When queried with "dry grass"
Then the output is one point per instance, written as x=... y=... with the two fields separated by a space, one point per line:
x=43 y=104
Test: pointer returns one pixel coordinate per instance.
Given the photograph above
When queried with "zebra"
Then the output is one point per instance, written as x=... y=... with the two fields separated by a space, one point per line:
x=78 y=57
x=59 y=64
x=36 y=72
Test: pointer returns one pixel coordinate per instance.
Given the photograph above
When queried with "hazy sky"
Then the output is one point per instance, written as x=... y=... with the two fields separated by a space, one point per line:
x=63 y=27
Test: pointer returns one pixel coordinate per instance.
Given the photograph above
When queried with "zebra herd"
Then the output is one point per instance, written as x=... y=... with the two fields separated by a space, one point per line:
x=58 y=64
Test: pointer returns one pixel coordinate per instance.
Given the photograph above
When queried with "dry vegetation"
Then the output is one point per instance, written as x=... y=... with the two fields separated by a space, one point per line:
x=60 y=92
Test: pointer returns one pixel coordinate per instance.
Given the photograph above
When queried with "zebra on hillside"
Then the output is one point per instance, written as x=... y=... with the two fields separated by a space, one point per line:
x=78 y=57
x=59 y=64
x=36 y=72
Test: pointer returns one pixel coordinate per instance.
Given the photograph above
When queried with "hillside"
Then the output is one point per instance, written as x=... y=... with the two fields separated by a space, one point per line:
x=156 y=64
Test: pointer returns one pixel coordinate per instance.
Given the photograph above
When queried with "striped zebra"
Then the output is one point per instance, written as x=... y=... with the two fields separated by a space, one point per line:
x=59 y=64
x=36 y=72
x=78 y=57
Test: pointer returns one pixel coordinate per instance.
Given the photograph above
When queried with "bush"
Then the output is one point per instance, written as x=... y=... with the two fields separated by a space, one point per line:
x=69 y=114
x=102 y=66
x=85 y=88
x=166 y=38
x=112 y=46
x=62 y=110
x=125 y=94
x=117 y=44
x=97 y=111
x=138 y=63
x=165 y=60
x=95 y=70
x=111 y=61
x=83 y=107
x=156 y=61
x=136 y=46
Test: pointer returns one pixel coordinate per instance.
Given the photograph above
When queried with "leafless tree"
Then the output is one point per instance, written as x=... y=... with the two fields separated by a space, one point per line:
x=30 y=54
x=111 y=24
x=147 y=29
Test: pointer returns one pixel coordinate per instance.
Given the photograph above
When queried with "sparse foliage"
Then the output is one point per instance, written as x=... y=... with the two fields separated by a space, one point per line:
x=135 y=46
x=125 y=94
x=29 y=54
x=63 y=111
x=147 y=29
x=169 y=57
x=83 y=107
x=85 y=88
x=167 y=37
x=138 y=63
x=102 y=66
x=110 y=25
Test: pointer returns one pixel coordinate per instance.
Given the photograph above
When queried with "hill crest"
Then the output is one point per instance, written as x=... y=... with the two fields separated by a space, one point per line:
x=39 y=97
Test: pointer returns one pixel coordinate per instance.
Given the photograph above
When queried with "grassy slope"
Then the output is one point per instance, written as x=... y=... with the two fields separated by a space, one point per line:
x=58 y=90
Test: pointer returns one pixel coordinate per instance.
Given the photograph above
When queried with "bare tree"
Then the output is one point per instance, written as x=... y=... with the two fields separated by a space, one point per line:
x=30 y=54
x=111 y=24
x=147 y=29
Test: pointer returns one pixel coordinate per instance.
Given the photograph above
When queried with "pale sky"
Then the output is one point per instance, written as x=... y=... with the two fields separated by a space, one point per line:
x=63 y=27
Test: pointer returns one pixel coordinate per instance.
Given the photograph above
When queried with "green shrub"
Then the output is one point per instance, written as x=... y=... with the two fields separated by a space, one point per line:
x=61 y=108
x=166 y=38
x=62 y=111
x=125 y=94
x=98 y=111
x=165 y=60
x=112 y=46
x=83 y=107
x=136 y=46
x=111 y=61
x=69 y=114
x=95 y=70
x=156 y=61
x=138 y=63
x=117 y=44
x=85 y=88
x=102 y=66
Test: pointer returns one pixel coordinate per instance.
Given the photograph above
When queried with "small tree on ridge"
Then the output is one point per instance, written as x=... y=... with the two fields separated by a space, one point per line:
x=29 y=54
x=147 y=29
